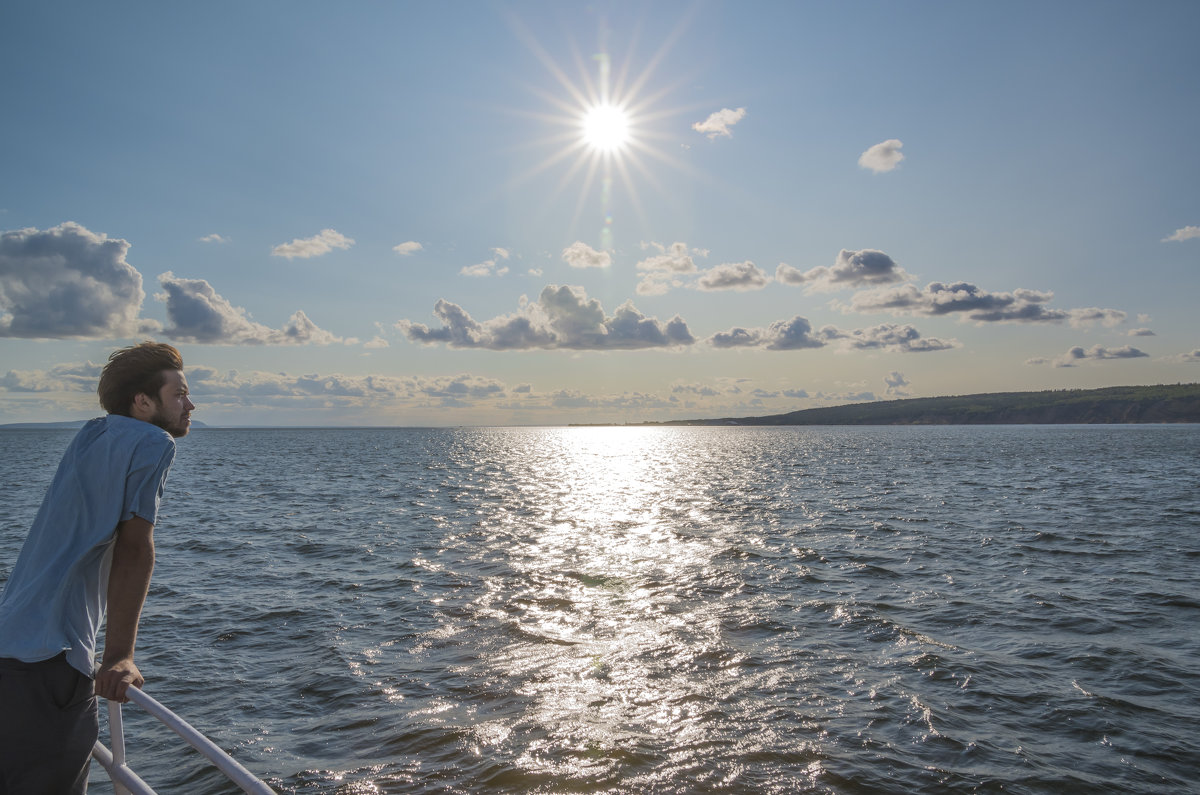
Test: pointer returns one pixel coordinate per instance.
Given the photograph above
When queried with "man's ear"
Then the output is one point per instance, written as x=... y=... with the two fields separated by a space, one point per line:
x=143 y=405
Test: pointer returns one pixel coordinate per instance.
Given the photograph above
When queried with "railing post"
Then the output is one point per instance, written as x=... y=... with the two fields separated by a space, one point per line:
x=116 y=736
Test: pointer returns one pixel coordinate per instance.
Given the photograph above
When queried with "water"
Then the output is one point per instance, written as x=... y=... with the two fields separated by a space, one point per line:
x=670 y=610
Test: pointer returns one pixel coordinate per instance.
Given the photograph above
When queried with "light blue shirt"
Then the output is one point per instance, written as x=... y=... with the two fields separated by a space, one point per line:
x=114 y=469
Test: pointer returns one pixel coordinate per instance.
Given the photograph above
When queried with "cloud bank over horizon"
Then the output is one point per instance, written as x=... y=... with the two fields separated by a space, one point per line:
x=227 y=395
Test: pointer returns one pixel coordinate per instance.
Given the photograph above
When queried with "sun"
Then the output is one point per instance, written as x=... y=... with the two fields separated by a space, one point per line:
x=605 y=128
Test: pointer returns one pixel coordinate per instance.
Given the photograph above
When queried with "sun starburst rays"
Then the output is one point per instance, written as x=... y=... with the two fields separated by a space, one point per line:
x=604 y=129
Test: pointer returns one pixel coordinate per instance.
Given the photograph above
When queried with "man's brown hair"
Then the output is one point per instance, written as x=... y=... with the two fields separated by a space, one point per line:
x=133 y=371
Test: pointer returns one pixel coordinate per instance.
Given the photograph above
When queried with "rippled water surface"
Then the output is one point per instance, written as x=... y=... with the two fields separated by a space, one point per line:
x=670 y=610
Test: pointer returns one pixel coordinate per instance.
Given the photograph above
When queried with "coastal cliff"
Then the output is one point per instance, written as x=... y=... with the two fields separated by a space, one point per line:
x=1121 y=404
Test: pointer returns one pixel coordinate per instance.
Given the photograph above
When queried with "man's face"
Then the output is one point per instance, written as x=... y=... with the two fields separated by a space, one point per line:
x=172 y=407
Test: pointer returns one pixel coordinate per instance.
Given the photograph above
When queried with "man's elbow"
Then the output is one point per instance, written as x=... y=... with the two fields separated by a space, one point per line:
x=135 y=540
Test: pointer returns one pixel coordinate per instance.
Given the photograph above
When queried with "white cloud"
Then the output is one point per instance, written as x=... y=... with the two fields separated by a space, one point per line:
x=68 y=282
x=699 y=390
x=850 y=269
x=197 y=313
x=887 y=336
x=798 y=334
x=738 y=337
x=675 y=248
x=1019 y=306
x=782 y=335
x=581 y=255
x=1086 y=316
x=214 y=238
x=896 y=383
x=489 y=267
x=788 y=274
x=563 y=318
x=302 y=331
x=883 y=156
x=1096 y=353
x=484 y=269
x=1141 y=332
x=1190 y=356
x=657 y=284
x=675 y=258
x=304 y=248
x=717 y=124
x=1185 y=233
x=734 y=276
x=661 y=272
x=789 y=335
x=408 y=248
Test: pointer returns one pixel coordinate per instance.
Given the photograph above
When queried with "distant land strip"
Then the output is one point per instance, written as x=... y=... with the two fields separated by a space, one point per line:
x=1117 y=404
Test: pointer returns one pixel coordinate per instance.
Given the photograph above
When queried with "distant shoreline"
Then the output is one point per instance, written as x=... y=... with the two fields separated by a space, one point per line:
x=1179 y=403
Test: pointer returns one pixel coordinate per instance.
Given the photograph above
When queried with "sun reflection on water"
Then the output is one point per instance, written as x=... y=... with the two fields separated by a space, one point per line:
x=615 y=649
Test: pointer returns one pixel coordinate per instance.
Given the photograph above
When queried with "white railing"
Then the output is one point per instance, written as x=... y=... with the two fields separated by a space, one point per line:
x=126 y=782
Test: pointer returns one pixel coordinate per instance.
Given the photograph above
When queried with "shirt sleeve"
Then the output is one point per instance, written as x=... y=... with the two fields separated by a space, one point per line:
x=146 y=480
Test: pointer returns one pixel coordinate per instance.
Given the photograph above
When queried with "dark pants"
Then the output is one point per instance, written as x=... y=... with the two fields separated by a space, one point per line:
x=48 y=725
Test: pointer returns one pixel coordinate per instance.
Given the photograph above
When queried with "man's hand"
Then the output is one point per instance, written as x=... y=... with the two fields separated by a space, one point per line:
x=113 y=679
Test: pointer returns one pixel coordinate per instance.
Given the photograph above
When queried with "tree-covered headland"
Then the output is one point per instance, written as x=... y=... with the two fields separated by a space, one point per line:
x=1118 y=404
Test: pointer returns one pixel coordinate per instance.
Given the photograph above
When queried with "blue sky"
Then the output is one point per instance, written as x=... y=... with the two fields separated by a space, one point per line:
x=388 y=213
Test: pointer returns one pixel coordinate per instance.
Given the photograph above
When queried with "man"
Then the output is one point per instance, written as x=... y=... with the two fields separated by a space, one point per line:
x=90 y=550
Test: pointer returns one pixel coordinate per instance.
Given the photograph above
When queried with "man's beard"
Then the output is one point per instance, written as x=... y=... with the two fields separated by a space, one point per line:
x=177 y=429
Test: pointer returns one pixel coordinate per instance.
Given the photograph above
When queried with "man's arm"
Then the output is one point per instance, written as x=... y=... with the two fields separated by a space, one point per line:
x=128 y=584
